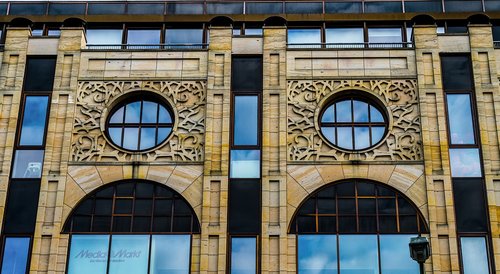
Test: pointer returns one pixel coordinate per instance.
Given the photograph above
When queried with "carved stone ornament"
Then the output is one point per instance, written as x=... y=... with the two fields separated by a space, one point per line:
x=96 y=98
x=306 y=98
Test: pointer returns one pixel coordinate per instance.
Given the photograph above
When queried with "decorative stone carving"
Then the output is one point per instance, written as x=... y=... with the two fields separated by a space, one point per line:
x=306 y=98
x=95 y=98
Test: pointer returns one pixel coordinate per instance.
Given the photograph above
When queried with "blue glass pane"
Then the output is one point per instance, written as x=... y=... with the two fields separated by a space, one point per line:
x=263 y=8
x=130 y=138
x=317 y=254
x=170 y=254
x=328 y=115
x=329 y=133
x=253 y=31
x=148 y=136
x=361 y=137
x=375 y=115
x=343 y=111
x=385 y=35
x=66 y=8
x=395 y=255
x=149 y=8
x=344 y=35
x=28 y=164
x=460 y=6
x=344 y=139
x=360 y=111
x=133 y=112
x=245 y=164
x=180 y=8
x=423 y=6
x=104 y=36
x=107 y=8
x=474 y=255
x=300 y=36
x=303 y=7
x=149 y=111
x=164 y=115
x=28 y=9
x=129 y=254
x=33 y=127
x=225 y=8
x=183 y=36
x=245 y=120
x=15 y=257
x=383 y=7
x=465 y=162
x=116 y=135
x=343 y=7
x=163 y=133
x=358 y=254
x=88 y=254
x=143 y=36
x=117 y=117
x=377 y=134
x=243 y=255
x=460 y=118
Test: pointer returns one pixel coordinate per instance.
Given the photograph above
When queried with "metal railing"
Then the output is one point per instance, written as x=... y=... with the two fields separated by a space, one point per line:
x=152 y=47
x=399 y=45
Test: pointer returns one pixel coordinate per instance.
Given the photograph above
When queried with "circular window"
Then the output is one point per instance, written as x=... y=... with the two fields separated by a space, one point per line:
x=139 y=124
x=353 y=123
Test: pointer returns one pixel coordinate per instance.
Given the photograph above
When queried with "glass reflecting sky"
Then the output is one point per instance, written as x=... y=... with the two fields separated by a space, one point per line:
x=104 y=36
x=465 y=162
x=243 y=252
x=474 y=256
x=245 y=120
x=96 y=247
x=301 y=36
x=344 y=35
x=358 y=254
x=28 y=164
x=183 y=36
x=15 y=255
x=395 y=255
x=33 y=127
x=129 y=254
x=170 y=254
x=460 y=119
x=143 y=36
x=317 y=254
x=245 y=164
x=384 y=35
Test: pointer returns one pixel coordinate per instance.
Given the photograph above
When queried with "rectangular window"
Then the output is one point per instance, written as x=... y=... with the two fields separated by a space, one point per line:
x=474 y=255
x=246 y=74
x=395 y=254
x=28 y=164
x=244 y=207
x=104 y=36
x=246 y=126
x=129 y=254
x=245 y=163
x=465 y=162
x=456 y=72
x=303 y=7
x=385 y=35
x=170 y=254
x=149 y=8
x=40 y=73
x=298 y=38
x=184 y=8
x=66 y=8
x=88 y=254
x=243 y=255
x=470 y=205
x=15 y=255
x=343 y=7
x=225 y=8
x=105 y=9
x=34 y=120
x=383 y=7
x=460 y=119
x=317 y=254
x=263 y=8
x=353 y=247
x=423 y=6
x=344 y=35
x=186 y=37
x=143 y=36
x=22 y=204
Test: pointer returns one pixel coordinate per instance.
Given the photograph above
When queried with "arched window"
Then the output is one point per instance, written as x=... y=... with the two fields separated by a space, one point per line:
x=356 y=226
x=131 y=226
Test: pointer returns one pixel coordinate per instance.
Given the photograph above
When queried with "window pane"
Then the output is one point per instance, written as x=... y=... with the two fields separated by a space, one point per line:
x=328 y=115
x=28 y=164
x=130 y=254
x=143 y=36
x=474 y=255
x=33 y=126
x=460 y=118
x=395 y=255
x=303 y=7
x=130 y=138
x=360 y=111
x=106 y=8
x=244 y=214
x=170 y=254
x=361 y=137
x=88 y=254
x=317 y=254
x=343 y=111
x=180 y=8
x=461 y=6
x=344 y=137
x=133 y=112
x=465 y=162
x=39 y=74
x=183 y=36
x=149 y=8
x=301 y=36
x=243 y=255
x=470 y=205
x=104 y=36
x=27 y=9
x=384 y=35
x=66 y=8
x=245 y=120
x=377 y=134
x=225 y=8
x=263 y=8
x=358 y=254
x=342 y=7
x=15 y=256
x=246 y=74
x=423 y=6
x=253 y=31
x=148 y=136
x=456 y=72
x=245 y=163
x=164 y=115
x=329 y=133
x=383 y=7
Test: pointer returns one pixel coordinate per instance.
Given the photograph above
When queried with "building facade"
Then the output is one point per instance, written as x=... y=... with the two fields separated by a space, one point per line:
x=249 y=136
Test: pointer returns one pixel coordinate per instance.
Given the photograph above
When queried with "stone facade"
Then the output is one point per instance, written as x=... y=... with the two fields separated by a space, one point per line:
x=295 y=159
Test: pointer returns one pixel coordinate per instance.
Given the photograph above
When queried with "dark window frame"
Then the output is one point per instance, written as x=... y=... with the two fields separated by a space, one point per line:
x=30 y=248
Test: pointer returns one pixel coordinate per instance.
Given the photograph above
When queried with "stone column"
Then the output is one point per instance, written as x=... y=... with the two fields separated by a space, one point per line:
x=216 y=170
x=443 y=237
x=484 y=62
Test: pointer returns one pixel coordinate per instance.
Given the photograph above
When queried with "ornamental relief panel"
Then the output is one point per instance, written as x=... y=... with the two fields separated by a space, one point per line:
x=96 y=98
x=306 y=98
